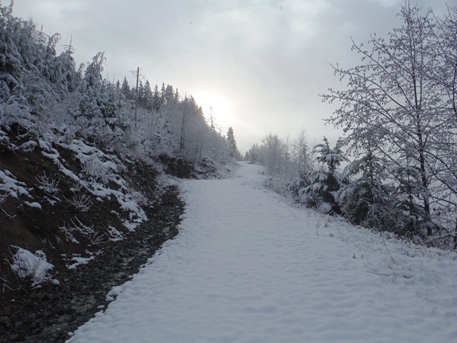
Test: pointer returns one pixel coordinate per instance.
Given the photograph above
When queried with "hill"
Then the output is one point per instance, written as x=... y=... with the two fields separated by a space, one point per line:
x=87 y=179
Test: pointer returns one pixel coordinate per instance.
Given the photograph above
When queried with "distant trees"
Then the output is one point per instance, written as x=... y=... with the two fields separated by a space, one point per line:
x=282 y=158
x=310 y=176
x=301 y=152
x=273 y=155
x=231 y=141
x=270 y=154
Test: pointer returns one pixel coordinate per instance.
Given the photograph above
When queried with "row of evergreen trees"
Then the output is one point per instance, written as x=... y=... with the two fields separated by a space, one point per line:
x=53 y=99
x=399 y=114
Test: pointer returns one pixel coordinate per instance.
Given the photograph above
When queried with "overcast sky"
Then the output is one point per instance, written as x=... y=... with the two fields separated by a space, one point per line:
x=260 y=63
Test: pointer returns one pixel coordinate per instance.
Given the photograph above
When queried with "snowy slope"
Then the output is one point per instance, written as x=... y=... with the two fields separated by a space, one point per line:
x=247 y=267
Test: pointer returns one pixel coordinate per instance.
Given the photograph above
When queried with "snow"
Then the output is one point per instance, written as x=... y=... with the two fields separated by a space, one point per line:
x=10 y=186
x=115 y=235
x=28 y=265
x=249 y=267
x=28 y=146
x=325 y=207
x=78 y=260
x=33 y=204
x=4 y=136
x=103 y=170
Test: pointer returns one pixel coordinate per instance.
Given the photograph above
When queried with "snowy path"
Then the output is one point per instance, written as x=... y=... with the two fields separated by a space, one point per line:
x=247 y=267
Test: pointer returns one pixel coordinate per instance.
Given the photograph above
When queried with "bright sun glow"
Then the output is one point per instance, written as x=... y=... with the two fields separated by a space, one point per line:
x=220 y=106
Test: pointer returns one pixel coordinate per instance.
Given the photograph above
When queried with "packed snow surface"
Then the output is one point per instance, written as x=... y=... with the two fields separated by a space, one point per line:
x=249 y=267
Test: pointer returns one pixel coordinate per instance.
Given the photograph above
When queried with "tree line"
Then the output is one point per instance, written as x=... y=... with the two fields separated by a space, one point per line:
x=51 y=98
x=398 y=111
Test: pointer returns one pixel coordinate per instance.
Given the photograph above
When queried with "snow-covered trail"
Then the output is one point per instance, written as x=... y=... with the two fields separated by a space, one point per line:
x=247 y=267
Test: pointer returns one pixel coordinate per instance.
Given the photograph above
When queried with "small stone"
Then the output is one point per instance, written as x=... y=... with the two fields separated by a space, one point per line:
x=14 y=337
x=42 y=296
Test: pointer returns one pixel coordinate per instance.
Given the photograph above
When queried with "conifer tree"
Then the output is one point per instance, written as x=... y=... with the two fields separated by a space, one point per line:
x=233 y=149
x=326 y=182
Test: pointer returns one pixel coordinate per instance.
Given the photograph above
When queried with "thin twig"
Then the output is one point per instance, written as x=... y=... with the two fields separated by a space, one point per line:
x=382 y=274
x=10 y=217
x=384 y=240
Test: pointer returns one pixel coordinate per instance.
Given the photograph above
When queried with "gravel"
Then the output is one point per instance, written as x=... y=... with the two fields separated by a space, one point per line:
x=50 y=313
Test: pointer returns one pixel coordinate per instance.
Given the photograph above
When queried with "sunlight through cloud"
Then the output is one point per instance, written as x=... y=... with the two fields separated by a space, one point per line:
x=220 y=108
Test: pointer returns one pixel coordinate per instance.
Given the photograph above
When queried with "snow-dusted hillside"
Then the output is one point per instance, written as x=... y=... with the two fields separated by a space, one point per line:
x=65 y=204
x=248 y=267
x=68 y=199
x=83 y=178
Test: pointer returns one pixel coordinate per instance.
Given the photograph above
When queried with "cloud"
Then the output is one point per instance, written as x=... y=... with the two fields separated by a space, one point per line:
x=387 y=3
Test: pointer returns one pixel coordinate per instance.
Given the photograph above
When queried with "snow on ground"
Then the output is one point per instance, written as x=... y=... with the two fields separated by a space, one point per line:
x=34 y=266
x=100 y=169
x=248 y=267
x=10 y=186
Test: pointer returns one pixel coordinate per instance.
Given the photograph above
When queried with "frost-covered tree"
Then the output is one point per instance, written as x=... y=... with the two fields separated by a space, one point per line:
x=253 y=154
x=367 y=198
x=168 y=94
x=17 y=48
x=304 y=170
x=147 y=97
x=18 y=53
x=65 y=70
x=301 y=152
x=231 y=141
x=283 y=158
x=125 y=90
x=45 y=95
x=444 y=161
x=330 y=157
x=325 y=182
x=391 y=96
x=272 y=154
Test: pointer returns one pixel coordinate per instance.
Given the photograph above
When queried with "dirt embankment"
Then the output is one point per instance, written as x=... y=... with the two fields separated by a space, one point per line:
x=56 y=199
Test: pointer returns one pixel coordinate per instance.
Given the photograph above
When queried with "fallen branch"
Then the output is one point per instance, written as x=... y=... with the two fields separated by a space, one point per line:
x=2 y=201
x=381 y=274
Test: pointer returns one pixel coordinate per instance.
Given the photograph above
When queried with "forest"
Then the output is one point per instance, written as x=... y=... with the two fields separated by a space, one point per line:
x=52 y=98
x=85 y=161
x=88 y=173
x=395 y=168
